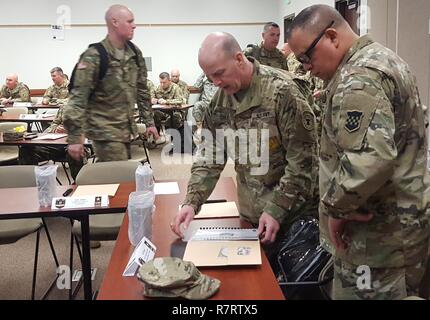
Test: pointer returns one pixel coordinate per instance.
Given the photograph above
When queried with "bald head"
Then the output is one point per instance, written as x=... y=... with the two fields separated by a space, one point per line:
x=12 y=81
x=222 y=60
x=120 y=23
x=115 y=11
x=218 y=44
x=315 y=18
x=174 y=75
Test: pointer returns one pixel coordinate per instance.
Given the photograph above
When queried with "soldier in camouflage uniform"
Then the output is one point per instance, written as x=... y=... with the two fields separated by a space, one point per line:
x=373 y=175
x=32 y=155
x=208 y=90
x=103 y=110
x=266 y=102
x=14 y=91
x=151 y=88
x=174 y=76
x=316 y=85
x=58 y=93
x=168 y=93
x=267 y=53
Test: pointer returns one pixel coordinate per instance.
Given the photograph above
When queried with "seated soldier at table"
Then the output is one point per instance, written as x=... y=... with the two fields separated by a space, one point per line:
x=58 y=93
x=175 y=75
x=32 y=155
x=168 y=93
x=14 y=91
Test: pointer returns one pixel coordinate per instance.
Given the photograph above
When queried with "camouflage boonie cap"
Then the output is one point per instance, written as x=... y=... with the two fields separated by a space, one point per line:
x=170 y=277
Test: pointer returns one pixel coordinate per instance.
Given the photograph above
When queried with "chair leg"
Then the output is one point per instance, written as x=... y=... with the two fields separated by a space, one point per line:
x=58 y=180
x=36 y=257
x=146 y=154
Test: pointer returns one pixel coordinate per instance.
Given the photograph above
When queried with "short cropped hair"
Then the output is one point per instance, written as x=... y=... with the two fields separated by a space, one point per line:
x=164 y=75
x=57 y=69
x=268 y=25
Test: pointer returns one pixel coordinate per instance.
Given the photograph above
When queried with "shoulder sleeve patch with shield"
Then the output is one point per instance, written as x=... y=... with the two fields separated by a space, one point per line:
x=353 y=121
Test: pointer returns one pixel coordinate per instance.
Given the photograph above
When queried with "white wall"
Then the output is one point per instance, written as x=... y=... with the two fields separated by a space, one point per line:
x=288 y=7
x=170 y=36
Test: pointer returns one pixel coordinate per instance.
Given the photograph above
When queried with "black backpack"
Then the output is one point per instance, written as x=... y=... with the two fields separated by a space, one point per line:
x=104 y=61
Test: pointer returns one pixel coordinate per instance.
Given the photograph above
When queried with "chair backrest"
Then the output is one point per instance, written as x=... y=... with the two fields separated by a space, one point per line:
x=8 y=126
x=17 y=176
x=107 y=172
x=16 y=111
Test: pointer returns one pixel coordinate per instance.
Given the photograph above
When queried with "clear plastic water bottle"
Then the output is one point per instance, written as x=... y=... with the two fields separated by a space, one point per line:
x=140 y=210
x=144 y=178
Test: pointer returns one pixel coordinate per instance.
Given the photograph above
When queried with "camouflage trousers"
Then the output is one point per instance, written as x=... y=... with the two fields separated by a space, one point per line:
x=32 y=155
x=353 y=282
x=198 y=112
x=164 y=118
x=111 y=150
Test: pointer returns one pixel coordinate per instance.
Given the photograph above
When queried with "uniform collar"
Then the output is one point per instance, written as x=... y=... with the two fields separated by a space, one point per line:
x=362 y=42
x=128 y=52
x=252 y=98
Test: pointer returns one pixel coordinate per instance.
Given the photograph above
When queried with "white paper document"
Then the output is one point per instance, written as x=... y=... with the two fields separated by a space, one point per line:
x=22 y=104
x=166 y=188
x=224 y=233
x=144 y=252
x=79 y=202
x=218 y=210
x=51 y=136
x=98 y=189
x=35 y=116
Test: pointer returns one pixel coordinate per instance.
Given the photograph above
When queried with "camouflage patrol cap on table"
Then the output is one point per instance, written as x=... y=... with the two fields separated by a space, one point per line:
x=172 y=277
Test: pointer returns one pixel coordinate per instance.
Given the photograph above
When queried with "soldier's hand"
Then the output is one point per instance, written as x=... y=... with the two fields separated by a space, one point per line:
x=76 y=151
x=268 y=227
x=60 y=129
x=152 y=131
x=154 y=100
x=336 y=228
x=317 y=95
x=162 y=101
x=184 y=216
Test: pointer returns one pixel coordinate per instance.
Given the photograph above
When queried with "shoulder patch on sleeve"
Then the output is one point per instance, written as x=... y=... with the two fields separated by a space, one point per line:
x=308 y=120
x=353 y=121
x=82 y=65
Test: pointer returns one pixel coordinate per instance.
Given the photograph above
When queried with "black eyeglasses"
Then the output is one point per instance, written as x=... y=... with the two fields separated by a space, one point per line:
x=305 y=57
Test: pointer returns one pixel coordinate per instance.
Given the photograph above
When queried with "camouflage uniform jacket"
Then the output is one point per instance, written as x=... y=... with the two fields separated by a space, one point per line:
x=184 y=87
x=57 y=94
x=274 y=58
x=104 y=110
x=21 y=93
x=172 y=95
x=274 y=114
x=151 y=88
x=373 y=159
x=208 y=90
x=57 y=121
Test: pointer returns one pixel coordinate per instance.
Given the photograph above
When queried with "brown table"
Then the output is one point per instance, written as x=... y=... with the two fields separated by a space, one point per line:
x=32 y=142
x=244 y=282
x=21 y=203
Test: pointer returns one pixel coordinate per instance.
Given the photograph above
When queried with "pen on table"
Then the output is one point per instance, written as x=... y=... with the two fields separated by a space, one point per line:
x=67 y=192
x=216 y=201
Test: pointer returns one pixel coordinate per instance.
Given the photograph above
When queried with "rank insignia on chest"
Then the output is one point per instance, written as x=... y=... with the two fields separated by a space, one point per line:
x=353 y=121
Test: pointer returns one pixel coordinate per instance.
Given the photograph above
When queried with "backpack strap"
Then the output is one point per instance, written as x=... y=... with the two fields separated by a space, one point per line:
x=104 y=61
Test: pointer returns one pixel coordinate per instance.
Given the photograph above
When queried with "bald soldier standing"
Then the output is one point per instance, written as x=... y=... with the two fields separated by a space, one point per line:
x=103 y=109
x=14 y=90
x=373 y=173
x=255 y=101
x=266 y=53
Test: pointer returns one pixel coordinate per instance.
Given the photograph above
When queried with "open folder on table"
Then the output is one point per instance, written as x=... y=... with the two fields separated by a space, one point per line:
x=223 y=246
x=51 y=136
x=98 y=189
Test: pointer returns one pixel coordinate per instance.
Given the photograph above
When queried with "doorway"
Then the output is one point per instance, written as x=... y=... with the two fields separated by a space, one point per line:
x=349 y=10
